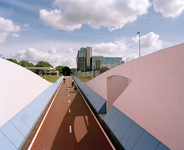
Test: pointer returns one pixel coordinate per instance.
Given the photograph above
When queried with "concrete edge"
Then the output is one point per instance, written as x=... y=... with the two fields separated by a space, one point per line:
x=30 y=135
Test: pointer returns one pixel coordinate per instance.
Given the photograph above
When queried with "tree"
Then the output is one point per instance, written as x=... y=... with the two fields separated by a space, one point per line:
x=59 y=68
x=66 y=71
x=73 y=71
x=13 y=60
x=25 y=63
x=43 y=64
x=88 y=69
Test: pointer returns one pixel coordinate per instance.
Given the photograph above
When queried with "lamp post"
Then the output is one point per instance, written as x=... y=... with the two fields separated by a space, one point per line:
x=139 y=45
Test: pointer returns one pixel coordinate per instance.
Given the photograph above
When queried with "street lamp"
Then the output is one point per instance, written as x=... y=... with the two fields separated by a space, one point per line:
x=139 y=45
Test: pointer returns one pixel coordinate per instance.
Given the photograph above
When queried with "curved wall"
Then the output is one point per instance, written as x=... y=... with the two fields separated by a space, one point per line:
x=112 y=92
x=98 y=102
x=155 y=97
x=23 y=97
x=14 y=132
x=18 y=87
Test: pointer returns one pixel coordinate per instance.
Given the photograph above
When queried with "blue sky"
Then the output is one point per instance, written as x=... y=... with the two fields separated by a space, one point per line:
x=54 y=30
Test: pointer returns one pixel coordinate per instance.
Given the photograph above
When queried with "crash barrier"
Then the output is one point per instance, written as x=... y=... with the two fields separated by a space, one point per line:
x=14 y=132
x=98 y=102
x=129 y=134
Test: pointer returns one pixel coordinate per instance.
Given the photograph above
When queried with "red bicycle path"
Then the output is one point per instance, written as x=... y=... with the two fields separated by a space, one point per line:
x=69 y=124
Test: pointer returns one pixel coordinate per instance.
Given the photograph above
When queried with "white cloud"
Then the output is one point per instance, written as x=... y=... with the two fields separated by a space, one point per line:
x=71 y=62
x=52 y=50
x=113 y=14
x=43 y=46
x=15 y=35
x=150 y=41
x=7 y=27
x=130 y=45
x=33 y=55
x=169 y=8
x=131 y=57
x=106 y=48
x=70 y=50
x=26 y=25
x=55 y=19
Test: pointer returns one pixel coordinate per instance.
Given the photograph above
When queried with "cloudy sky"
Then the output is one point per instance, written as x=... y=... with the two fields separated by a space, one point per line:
x=54 y=30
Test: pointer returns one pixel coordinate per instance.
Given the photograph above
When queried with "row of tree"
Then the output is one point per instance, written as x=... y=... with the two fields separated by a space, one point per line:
x=63 y=70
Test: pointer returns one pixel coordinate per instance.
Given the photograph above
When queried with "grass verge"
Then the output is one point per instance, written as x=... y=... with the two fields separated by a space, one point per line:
x=85 y=78
x=50 y=78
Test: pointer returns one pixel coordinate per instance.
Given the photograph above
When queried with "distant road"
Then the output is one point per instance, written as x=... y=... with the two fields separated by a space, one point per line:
x=69 y=125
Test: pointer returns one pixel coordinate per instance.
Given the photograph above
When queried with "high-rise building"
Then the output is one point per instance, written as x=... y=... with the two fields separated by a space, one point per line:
x=83 y=58
x=88 y=56
x=86 y=62
x=105 y=63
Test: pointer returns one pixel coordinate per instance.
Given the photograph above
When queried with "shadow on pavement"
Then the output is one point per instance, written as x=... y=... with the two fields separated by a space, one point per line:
x=79 y=129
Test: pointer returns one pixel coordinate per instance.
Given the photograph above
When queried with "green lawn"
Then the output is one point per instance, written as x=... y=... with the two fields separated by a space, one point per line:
x=85 y=78
x=53 y=79
x=50 y=78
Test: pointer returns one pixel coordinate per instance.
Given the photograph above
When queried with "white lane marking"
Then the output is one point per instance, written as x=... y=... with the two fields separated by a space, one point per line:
x=70 y=129
x=43 y=120
x=68 y=101
x=69 y=110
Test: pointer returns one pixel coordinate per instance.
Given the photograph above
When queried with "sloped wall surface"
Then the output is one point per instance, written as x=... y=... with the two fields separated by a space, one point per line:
x=129 y=134
x=14 y=132
x=23 y=98
x=96 y=100
x=18 y=87
x=154 y=99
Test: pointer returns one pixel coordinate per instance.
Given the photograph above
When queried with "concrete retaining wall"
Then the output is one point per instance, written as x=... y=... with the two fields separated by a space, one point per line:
x=14 y=132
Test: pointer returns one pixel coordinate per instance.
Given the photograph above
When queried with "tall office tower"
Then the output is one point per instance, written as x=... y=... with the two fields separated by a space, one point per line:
x=88 y=56
x=83 y=58
x=105 y=63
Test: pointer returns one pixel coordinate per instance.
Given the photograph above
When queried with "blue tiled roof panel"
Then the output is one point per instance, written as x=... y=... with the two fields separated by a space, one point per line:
x=129 y=134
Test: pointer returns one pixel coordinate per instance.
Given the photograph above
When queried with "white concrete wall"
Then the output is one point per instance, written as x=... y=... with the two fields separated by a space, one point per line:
x=18 y=87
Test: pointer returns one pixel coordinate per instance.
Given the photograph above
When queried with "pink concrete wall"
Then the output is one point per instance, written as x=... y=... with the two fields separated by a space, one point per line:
x=18 y=87
x=155 y=97
x=112 y=91
x=99 y=83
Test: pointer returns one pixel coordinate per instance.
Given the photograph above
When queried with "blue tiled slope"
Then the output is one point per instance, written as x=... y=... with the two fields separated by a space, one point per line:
x=98 y=102
x=129 y=134
x=14 y=132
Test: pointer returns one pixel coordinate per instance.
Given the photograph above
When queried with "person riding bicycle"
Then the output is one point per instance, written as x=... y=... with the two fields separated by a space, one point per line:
x=75 y=88
x=64 y=80
x=72 y=83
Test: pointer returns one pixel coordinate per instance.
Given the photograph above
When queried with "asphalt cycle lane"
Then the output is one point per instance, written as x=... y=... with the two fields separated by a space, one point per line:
x=69 y=124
